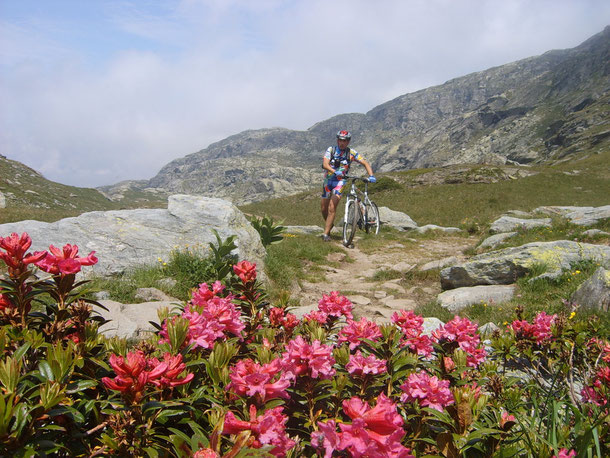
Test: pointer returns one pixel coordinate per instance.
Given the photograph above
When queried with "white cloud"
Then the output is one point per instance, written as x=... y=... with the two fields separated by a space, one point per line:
x=159 y=80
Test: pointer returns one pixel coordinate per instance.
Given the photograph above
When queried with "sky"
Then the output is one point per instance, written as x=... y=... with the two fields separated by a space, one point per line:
x=93 y=92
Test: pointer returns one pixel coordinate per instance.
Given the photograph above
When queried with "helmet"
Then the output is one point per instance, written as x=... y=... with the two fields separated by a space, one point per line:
x=344 y=135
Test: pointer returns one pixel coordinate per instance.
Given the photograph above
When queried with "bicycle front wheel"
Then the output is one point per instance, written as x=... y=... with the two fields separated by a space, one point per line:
x=350 y=222
x=372 y=222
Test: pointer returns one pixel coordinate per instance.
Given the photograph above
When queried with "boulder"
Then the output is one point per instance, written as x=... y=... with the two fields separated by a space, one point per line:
x=504 y=267
x=594 y=292
x=123 y=239
x=438 y=264
x=511 y=224
x=131 y=321
x=582 y=216
x=396 y=219
x=455 y=300
x=495 y=240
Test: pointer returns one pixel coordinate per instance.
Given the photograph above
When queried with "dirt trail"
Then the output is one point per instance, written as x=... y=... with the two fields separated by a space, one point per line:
x=364 y=277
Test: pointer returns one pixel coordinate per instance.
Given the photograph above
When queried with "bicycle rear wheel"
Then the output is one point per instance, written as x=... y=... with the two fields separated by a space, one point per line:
x=372 y=222
x=350 y=222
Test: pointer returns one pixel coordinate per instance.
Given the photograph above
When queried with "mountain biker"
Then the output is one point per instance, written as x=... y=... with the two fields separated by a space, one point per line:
x=337 y=160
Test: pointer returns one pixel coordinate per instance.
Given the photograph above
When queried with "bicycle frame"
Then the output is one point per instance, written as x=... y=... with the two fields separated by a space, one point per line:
x=359 y=216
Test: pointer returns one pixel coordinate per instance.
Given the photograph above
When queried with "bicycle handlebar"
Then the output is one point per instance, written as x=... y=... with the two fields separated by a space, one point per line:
x=363 y=179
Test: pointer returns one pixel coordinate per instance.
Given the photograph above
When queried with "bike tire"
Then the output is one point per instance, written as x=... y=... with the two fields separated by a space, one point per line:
x=350 y=222
x=372 y=221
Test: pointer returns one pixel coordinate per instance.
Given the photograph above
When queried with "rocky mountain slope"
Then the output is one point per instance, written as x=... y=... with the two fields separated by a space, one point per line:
x=545 y=108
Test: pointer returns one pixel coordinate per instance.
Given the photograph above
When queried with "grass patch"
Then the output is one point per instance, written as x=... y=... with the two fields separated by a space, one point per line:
x=470 y=206
x=286 y=262
x=386 y=275
x=187 y=268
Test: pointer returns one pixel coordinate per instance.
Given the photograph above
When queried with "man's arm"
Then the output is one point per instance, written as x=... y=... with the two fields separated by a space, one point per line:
x=326 y=165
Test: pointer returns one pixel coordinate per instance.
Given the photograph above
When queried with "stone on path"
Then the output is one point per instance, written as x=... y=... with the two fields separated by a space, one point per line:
x=455 y=300
x=511 y=224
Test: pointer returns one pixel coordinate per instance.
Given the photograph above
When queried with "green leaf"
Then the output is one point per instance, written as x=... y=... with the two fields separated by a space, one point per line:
x=45 y=370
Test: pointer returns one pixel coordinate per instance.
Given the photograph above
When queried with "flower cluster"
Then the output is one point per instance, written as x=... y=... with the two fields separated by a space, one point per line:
x=279 y=318
x=246 y=271
x=356 y=331
x=65 y=261
x=427 y=391
x=135 y=372
x=314 y=360
x=411 y=326
x=15 y=254
x=210 y=317
x=260 y=382
x=335 y=305
x=373 y=431
x=462 y=332
x=539 y=330
x=266 y=429
x=360 y=365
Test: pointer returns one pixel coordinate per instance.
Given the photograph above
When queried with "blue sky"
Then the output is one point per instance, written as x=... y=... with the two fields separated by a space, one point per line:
x=94 y=92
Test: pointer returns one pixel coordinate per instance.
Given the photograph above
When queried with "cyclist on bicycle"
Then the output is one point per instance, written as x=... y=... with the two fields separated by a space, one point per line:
x=337 y=160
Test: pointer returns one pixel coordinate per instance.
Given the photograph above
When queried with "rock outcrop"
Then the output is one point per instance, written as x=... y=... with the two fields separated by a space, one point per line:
x=504 y=267
x=595 y=292
x=123 y=239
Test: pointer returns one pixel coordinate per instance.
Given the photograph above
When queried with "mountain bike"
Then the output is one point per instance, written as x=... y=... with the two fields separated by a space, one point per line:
x=360 y=211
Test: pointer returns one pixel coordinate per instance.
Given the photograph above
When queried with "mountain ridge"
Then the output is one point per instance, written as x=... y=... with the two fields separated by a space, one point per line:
x=538 y=109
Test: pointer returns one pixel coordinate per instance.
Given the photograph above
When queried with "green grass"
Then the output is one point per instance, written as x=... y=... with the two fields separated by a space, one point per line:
x=188 y=267
x=288 y=261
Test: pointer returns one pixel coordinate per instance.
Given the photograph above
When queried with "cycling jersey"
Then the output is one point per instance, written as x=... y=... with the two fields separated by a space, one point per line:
x=341 y=159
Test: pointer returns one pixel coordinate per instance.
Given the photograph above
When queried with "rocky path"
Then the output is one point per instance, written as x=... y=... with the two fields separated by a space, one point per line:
x=399 y=275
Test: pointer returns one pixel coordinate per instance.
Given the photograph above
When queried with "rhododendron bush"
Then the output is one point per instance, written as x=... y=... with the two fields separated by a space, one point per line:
x=231 y=374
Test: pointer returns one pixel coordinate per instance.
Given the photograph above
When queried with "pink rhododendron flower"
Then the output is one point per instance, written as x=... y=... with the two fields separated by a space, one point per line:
x=356 y=331
x=263 y=382
x=336 y=305
x=171 y=377
x=427 y=391
x=246 y=271
x=131 y=374
x=563 y=453
x=360 y=365
x=65 y=261
x=314 y=360
x=204 y=293
x=463 y=333
x=374 y=432
x=15 y=254
x=410 y=323
x=539 y=330
x=267 y=429
x=326 y=438
x=279 y=318
x=411 y=326
x=318 y=316
x=210 y=317
x=597 y=390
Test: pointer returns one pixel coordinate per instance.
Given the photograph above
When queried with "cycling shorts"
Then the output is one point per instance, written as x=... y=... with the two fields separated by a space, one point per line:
x=331 y=186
